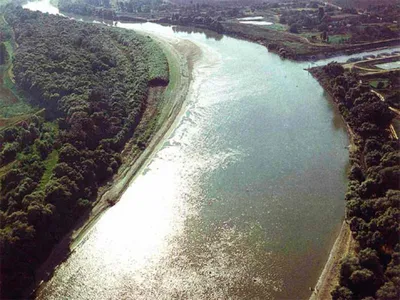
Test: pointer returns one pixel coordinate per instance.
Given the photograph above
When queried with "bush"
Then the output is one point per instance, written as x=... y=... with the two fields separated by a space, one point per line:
x=294 y=28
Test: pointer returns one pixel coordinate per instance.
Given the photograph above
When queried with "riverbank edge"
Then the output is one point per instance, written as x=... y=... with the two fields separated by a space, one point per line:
x=322 y=53
x=344 y=243
x=318 y=55
x=329 y=277
x=172 y=106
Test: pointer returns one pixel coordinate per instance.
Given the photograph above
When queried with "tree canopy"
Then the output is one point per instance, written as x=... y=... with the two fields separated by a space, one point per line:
x=92 y=81
x=373 y=196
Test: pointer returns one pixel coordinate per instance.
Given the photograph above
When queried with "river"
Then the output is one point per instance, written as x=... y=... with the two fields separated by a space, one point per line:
x=243 y=200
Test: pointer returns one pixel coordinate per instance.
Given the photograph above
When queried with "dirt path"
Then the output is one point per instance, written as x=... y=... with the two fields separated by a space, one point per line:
x=372 y=61
x=344 y=244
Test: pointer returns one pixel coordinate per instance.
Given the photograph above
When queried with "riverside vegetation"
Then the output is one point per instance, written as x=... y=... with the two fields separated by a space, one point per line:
x=373 y=196
x=298 y=30
x=92 y=83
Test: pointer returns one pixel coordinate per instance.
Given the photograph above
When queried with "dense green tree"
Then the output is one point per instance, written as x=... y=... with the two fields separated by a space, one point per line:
x=324 y=36
x=321 y=13
x=333 y=69
x=3 y=54
x=394 y=99
x=380 y=85
x=92 y=82
x=342 y=293
x=388 y=292
x=294 y=28
x=362 y=282
x=373 y=196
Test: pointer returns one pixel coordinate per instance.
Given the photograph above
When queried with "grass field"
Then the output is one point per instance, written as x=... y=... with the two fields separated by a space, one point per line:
x=158 y=64
x=278 y=27
x=309 y=34
x=174 y=79
x=339 y=38
x=49 y=163
x=374 y=83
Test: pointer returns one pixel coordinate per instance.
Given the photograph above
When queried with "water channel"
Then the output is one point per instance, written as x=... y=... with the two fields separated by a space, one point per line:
x=244 y=198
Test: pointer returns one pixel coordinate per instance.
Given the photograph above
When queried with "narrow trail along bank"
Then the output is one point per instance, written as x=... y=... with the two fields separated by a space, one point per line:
x=344 y=245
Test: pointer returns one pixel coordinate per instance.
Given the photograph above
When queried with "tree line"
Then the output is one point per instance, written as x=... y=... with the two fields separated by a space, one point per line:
x=100 y=9
x=93 y=82
x=130 y=10
x=373 y=195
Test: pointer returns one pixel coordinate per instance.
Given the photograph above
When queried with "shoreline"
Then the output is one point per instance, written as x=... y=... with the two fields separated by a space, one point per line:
x=181 y=55
x=317 y=55
x=328 y=279
x=118 y=185
x=344 y=242
x=311 y=56
x=324 y=52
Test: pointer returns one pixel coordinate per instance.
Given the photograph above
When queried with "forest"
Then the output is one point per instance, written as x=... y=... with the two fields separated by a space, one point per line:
x=105 y=9
x=88 y=8
x=373 y=195
x=132 y=10
x=353 y=26
x=300 y=30
x=92 y=82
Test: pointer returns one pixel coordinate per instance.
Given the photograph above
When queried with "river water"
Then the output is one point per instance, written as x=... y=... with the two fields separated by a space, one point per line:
x=242 y=201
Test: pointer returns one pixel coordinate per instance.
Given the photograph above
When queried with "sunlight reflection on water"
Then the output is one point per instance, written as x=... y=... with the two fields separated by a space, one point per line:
x=231 y=206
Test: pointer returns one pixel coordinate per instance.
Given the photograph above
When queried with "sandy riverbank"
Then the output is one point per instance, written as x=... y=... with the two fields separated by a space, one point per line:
x=182 y=56
x=344 y=245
